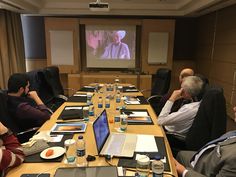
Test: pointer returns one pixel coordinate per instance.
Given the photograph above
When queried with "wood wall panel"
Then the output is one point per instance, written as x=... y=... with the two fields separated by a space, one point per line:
x=204 y=52
x=64 y=24
x=178 y=65
x=226 y=18
x=148 y=26
x=220 y=28
x=225 y=52
x=222 y=71
x=226 y=36
x=32 y=64
x=202 y=67
x=74 y=83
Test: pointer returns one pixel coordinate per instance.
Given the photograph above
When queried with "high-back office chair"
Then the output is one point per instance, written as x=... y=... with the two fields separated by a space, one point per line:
x=160 y=87
x=6 y=119
x=209 y=123
x=52 y=77
x=48 y=86
x=161 y=82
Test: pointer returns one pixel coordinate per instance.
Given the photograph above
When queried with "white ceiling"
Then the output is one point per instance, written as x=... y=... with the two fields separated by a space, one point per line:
x=117 y=7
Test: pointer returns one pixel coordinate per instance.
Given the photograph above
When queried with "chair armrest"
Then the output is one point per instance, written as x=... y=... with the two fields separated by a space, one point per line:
x=154 y=98
x=74 y=90
x=24 y=136
x=49 y=110
x=176 y=135
x=145 y=90
x=62 y=97
x=176 y=142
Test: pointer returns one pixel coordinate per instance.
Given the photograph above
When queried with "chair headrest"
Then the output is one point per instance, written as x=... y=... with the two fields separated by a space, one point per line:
x=163 y=73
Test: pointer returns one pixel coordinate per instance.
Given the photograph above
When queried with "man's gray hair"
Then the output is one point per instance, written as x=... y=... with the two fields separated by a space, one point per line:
x=192 y=85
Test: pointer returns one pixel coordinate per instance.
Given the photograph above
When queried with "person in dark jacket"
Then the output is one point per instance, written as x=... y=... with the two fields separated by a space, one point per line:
x=25 y=106
x=216 y=158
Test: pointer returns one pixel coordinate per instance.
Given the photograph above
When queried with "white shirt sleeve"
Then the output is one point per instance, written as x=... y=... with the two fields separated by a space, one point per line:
x=184 y=173
x=186 y=111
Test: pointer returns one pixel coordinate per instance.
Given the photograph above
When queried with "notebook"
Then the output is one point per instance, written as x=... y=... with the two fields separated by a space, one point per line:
x=110 y=143
x=71 y=112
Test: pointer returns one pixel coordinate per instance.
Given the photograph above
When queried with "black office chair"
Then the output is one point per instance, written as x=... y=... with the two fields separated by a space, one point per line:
x=48 y=86
x=5 y=118
x=209 y=123
x=160 y=87
x=161 y=82
x=52 y=77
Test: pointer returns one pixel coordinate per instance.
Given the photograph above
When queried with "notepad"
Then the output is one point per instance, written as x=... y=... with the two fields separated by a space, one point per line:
x=146 y=143
x=78 y=127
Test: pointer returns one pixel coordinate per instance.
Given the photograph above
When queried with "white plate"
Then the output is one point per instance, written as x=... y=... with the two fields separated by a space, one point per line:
x=58 y=151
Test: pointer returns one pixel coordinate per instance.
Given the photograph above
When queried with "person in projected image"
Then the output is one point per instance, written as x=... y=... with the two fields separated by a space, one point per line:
x=117 y=49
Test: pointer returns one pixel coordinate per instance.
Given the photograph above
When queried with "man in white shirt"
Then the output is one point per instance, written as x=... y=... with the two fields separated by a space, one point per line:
x=181 y=121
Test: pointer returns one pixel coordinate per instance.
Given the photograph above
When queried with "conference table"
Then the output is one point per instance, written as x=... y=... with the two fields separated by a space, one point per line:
x=154 y=129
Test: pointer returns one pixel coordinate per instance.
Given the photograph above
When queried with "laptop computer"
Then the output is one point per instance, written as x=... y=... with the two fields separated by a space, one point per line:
x=111 y=143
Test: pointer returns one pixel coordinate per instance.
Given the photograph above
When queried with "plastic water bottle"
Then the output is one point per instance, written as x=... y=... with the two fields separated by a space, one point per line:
x=157 y=167
x=100 y=105
x=118 y=97
x=107 y=102
x=81 y=158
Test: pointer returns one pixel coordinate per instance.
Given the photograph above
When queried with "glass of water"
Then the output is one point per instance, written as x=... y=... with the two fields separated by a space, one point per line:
x=70 y=153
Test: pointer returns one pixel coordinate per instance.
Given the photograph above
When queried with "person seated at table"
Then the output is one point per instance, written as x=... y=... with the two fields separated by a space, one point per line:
x=11 y=153
x=25 y=106
x=181 y=121
x=216 y=158
x=178 y=103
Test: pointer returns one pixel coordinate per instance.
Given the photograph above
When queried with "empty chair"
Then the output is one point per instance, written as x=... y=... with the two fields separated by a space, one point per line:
x=52 y=78
x=160 y=87
x=48 y=86
x=209 y=123
x=161 y=82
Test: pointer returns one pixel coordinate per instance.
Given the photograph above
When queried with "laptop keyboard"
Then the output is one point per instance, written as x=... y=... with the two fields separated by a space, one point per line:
x=116 y=143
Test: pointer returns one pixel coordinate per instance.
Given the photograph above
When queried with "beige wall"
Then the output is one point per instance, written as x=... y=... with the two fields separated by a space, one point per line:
x=32 y=64
x=216 y=51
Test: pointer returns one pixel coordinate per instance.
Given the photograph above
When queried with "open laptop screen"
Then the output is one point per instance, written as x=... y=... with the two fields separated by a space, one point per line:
x=101 y=130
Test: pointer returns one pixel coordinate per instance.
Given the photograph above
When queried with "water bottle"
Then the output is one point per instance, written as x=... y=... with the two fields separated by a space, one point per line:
x=89 y=98
x=100 y=105
x=86 y=113
x=96 y=88
x=143 y=166
x=157 y=167
x=117 y=80
x=107 y=102
x=81 y=158
x=91 y=110
x=117 y=120
x=118 y=97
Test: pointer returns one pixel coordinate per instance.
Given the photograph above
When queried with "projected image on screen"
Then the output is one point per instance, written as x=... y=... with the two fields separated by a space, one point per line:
x=117 y=49
x=110 y=46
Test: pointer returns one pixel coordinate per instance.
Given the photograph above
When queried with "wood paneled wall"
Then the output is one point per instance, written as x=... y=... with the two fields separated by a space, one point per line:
x=216 y=51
